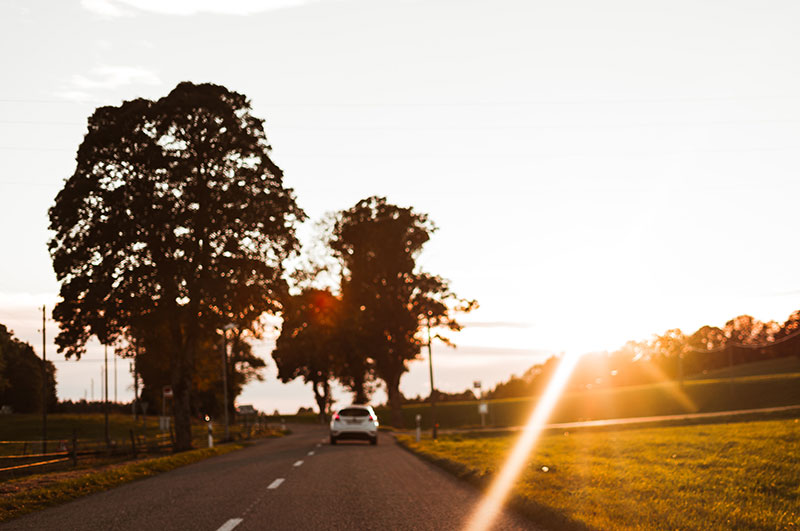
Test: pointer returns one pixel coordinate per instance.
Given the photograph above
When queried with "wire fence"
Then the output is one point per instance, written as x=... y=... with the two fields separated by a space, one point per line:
x=23 y=457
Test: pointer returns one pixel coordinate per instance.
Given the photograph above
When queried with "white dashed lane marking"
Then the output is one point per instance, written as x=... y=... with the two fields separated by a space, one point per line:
x=233 y=522
x=230 y=524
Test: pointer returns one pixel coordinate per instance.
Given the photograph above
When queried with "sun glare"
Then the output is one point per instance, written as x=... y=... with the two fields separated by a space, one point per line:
x=671 y=387
x=493 y=500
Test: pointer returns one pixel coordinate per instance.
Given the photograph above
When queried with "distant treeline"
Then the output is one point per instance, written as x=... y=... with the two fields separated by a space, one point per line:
x=672 y=355
x=441 y=396
x=21 y=376
x=94 y=406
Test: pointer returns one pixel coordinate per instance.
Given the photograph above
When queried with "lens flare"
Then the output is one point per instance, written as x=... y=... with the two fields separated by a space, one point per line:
x=671 y=388
x=486 y=512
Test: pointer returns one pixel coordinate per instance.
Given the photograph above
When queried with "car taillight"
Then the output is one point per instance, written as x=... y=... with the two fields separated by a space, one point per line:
x=373 y=419
x=336 y=417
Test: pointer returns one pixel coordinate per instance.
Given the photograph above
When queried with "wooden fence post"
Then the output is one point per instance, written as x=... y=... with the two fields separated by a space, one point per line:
x=133 y=444
x=74 y=448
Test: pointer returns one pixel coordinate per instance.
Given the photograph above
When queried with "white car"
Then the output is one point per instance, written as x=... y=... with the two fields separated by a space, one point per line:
x=355 y=422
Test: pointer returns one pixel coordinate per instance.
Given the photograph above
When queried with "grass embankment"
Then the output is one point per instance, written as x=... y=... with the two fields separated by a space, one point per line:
x=22 y=496
x=719 y=476
x=786 y=365
x=667 y=398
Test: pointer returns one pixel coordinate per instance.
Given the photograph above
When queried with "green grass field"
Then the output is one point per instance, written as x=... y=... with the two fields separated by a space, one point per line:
x=718 y=476
x=786 y=365
x=60 y=426
x=668 y=398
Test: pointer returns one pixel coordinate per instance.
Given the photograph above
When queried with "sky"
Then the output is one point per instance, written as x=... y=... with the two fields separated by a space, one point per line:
x=598 y=171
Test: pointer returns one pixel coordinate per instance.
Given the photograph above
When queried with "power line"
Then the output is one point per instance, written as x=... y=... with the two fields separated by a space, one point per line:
x=472 y=155
x=475 y=127
x=450 y=103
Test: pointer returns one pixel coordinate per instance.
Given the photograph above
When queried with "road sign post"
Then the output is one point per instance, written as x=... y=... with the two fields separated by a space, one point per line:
x=483 y=407
x=164 y=419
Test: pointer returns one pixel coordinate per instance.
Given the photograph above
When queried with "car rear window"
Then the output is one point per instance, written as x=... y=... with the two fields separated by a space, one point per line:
x=354 y=412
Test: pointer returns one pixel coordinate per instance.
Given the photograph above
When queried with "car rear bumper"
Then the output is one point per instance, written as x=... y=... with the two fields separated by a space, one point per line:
x=359 y=435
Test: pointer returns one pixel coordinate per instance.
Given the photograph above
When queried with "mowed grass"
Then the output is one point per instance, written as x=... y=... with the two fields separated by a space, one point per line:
x=740 y=476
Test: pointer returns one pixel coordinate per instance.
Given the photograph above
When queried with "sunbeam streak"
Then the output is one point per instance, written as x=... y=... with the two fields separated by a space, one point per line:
x=493 y=500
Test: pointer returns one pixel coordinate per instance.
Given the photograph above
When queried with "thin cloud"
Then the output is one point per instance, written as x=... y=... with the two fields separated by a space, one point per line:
x=121 y=8
x=110 y=77
x=105 y=8
x=73 y=95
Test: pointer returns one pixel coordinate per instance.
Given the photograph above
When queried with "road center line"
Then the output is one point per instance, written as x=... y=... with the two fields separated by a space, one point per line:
x=275 y=484
x=311 y=452
x=298 y=463
x=230 y=524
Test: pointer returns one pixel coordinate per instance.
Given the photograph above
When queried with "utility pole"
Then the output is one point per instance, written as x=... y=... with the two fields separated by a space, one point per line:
x=105 y=398
x=430 y=369
x=225 y=376
x=44 y=382
x=134 y=367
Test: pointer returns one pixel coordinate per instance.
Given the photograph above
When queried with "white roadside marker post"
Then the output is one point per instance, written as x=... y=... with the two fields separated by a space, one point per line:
x=419 y=426
x=210 y=432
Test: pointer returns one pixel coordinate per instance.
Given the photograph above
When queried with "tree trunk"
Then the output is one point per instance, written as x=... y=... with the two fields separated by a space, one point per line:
x=360 y=395
x=182 y=410
x=321 y=397
x=395 y=400
x=181 y=375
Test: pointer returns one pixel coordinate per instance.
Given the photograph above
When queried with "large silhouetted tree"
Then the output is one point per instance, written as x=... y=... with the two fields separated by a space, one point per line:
x=175 y=214
x=386 y=298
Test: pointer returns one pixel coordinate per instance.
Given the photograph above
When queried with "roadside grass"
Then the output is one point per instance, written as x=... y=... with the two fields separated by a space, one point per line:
x=742 y=475
x=32 y=493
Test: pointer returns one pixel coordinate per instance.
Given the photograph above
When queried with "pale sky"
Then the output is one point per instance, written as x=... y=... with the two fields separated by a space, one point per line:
x=599 y=171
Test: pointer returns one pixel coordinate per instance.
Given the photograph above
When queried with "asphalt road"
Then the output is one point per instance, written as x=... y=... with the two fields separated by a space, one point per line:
x=297 y=482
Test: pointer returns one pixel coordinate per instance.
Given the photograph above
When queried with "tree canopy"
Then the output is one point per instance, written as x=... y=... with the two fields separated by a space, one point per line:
x=21 y=376
x=175 y=215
